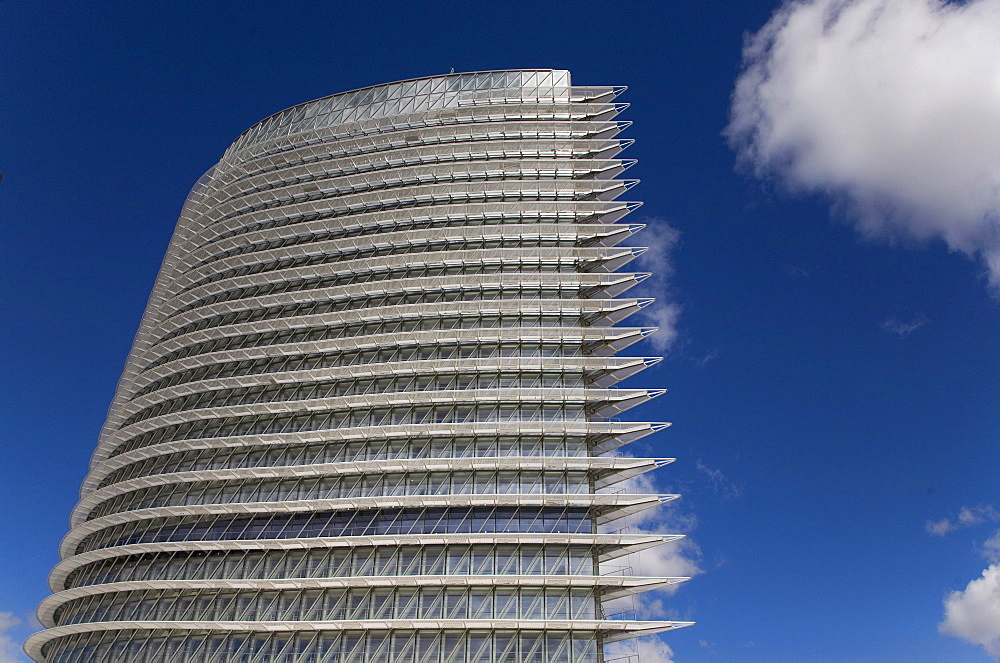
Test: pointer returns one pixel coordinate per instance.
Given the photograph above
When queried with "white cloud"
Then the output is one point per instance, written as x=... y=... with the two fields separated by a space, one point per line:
x=661 y=239
x=891 y=107
x=974 y=614
x=643 y=650
x=711 y=355
x=721 y=484
x=984 y=513
x=939 y=527
x=10 y=651
x=676 y=559
x=967 y=517
x=902 y=328
x=991 y=548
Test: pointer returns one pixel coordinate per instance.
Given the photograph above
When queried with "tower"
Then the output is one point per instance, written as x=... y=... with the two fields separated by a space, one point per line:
x=370 y=413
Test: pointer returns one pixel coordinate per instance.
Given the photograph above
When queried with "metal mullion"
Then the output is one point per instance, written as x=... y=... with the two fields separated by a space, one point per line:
x=468 y=515
x=264 y=654
x=303 y=646
x=485 y=649
x=298 y=568
x=537 y=599
x=382 y=651
x=263 y=526
x=354 y=515
x=266 y=606
x=233 y=565
x=352 y=489
x=164 y=606
x=343 y=564
x=172 y=649
x=360 y=561
x=407 y=650
x=239 y=652
x=297 y=460
x=357 y=652
x=539 y=517
x=535 y=650
x=238 y=613
x=196 y=570
x=258 y=569
x=399 y=487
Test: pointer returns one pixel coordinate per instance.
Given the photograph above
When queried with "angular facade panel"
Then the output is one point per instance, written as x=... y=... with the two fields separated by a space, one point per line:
x=371 y=411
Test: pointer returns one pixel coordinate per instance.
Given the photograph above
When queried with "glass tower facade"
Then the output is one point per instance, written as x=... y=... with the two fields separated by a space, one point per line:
x=370 y=413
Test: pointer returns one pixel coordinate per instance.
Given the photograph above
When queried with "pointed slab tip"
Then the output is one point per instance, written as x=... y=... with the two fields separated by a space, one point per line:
x=651 y=361
x=646 y=628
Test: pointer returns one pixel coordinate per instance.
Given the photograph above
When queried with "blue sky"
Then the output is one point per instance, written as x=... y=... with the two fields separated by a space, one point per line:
x=834 y=375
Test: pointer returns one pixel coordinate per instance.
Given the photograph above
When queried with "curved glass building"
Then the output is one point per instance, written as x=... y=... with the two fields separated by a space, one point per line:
x=370 y=413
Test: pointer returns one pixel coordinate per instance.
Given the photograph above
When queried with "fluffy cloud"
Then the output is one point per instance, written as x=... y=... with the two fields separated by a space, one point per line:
x=661 y=239
x=643 y=650
x=967 y=517
x=991 y=548
x=10 y=651
x=974 y=614
x=890 y=107
x=677 y=559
